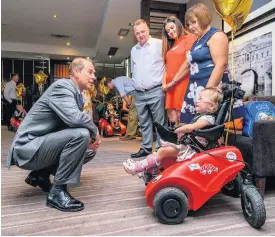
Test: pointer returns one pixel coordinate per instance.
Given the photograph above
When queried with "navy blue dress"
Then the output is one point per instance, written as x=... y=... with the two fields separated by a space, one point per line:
x=201 y=67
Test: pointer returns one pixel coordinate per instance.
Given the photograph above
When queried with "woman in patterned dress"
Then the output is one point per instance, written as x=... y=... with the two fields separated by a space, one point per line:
x=207 y=60
x=175 y=45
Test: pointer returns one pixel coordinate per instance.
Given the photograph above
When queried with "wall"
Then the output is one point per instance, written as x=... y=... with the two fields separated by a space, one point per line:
x=216 y=20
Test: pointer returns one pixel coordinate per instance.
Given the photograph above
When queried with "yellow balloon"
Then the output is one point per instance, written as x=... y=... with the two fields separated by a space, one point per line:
x=20 y=90
x=233 y=12
x=93 y=92
x=104 y=90
x=40 y=78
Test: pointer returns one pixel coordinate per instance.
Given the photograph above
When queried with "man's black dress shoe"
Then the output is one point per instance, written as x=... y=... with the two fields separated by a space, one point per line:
x=63 y=201
x=41 y=181
x=140 y=153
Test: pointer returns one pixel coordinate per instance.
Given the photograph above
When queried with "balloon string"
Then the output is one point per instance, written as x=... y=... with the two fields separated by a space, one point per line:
x=233 y=76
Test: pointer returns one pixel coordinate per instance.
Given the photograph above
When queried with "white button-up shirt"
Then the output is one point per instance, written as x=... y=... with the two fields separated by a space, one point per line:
x=147 y=64
x=10 y=91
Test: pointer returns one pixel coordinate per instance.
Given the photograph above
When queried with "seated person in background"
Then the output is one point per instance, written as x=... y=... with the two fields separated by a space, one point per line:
x=206 y=106
x=20 y=112
x=111 y=116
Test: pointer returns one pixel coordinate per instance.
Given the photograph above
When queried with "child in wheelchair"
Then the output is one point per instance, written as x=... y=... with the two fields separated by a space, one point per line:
x=112 y=116
x=206 y=106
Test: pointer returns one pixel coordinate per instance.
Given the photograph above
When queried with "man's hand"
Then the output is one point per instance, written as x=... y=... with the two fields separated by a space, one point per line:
x=130 y=106
x=94 y=145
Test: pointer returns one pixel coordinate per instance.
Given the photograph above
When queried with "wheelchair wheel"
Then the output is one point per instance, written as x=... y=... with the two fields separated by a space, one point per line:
x=170 y=206
x=253 y=207
x=233 y=188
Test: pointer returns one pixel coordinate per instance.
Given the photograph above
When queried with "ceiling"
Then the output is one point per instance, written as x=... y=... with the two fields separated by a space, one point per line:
x=91 y=28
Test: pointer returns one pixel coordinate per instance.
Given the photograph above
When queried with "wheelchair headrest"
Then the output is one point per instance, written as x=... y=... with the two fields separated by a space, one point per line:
x=228 y=89
x=222 y=112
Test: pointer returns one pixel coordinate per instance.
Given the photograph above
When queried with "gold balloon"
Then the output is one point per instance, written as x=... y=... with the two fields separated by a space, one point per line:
x=104 y=90
x=93 y=92
x=233 y=12
x=20 y=90
x=40 y=78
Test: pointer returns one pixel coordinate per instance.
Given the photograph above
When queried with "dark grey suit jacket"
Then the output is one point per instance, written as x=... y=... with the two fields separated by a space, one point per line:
x=59 y=107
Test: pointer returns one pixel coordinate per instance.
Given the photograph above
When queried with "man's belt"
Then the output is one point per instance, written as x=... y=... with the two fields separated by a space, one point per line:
x=145 y=90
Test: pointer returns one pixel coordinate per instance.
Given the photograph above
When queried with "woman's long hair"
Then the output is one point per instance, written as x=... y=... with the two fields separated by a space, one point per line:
x=167 y=42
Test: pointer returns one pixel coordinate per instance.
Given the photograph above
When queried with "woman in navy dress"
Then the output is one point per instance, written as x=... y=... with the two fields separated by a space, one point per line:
x=206 y=61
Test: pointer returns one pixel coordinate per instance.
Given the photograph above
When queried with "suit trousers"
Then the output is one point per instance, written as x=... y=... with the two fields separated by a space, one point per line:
x=11 y=107
x=132 y=120
x=150 y=107
x=62 y=154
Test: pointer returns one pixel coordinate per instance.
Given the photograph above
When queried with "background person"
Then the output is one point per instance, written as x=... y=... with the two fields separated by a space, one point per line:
x=207 y=60
x=11 y=98
x=147 y=72
x=20 y=112
x=125 y=88
x=175 y=44
x=56 y=137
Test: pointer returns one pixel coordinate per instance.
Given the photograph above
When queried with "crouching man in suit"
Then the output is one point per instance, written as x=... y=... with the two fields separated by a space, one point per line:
x=57 y=138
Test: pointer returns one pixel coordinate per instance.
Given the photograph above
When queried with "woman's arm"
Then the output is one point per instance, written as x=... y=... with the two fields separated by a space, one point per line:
x=164 y=80
x=182 y=72
x=218 y=46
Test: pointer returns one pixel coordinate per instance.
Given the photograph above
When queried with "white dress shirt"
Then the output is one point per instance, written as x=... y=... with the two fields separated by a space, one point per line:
x=147 y=64
x=10 y=91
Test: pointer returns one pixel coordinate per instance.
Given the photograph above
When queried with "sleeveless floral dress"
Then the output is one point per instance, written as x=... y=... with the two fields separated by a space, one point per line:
x=201 y=67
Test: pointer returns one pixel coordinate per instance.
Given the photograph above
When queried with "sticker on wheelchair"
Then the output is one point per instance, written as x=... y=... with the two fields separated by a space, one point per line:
x=193 y=167
x=157 y=178
x=208 y=169
x=231 y=156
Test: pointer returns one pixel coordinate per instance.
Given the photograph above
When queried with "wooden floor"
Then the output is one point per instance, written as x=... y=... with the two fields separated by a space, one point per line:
x=114 y=203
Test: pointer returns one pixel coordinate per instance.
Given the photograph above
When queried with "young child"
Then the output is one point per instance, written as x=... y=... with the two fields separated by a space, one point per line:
x=206 y=105
x=20 y=112
x=111 y=115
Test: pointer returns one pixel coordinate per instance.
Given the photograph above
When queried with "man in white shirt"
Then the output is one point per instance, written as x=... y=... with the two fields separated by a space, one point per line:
x=147 y=71
x=10 y=97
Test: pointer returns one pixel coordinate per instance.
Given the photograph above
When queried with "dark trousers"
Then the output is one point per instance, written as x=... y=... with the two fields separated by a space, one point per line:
x=10 y=108
x=62 y=154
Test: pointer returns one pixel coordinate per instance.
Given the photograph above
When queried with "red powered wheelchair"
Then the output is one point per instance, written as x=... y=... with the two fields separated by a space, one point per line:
x=177 y=187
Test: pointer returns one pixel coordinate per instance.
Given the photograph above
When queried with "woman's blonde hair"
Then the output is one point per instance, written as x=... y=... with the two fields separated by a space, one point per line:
x=167 y=42
x=201 y=12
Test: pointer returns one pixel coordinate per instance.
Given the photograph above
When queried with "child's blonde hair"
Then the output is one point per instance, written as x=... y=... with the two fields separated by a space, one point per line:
x=214 y=94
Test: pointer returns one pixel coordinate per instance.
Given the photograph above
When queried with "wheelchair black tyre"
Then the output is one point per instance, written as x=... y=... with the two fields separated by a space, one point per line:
x=254 y=208
x=233 y=188
x=170 y=206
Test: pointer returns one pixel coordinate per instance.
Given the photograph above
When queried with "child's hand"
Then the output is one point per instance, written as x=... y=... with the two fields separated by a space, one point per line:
x=179 y=132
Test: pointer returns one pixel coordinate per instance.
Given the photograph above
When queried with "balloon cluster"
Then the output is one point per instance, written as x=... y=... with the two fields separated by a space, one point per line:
x=233 y=12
